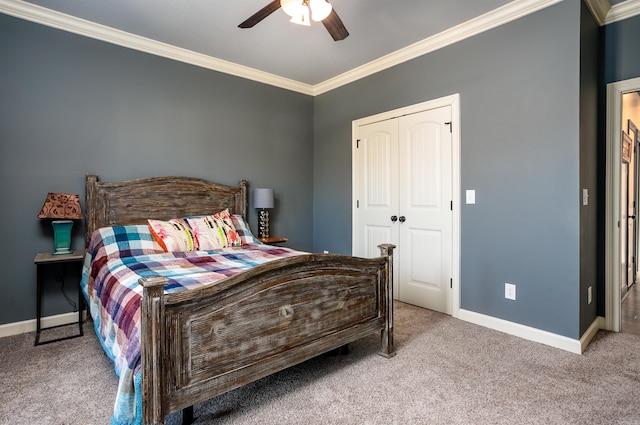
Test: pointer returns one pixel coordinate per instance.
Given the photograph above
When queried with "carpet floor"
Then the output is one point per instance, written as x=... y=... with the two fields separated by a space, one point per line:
x=446 y=371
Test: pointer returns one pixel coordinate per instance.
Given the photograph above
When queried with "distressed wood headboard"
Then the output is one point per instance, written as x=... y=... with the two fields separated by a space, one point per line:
x=161 y=198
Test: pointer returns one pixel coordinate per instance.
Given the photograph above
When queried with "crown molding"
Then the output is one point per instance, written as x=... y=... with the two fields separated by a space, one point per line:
x=604 y=13
x=624 y=10
x=51 y=18
x=489 y=20
x=602 y=10
x=599 y=10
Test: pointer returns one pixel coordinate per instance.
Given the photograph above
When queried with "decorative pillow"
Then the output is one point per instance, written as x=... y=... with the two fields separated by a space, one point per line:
x=123 y=241
x=174 y=235
x=205 y=230
x=242 y=228
x=214 y=231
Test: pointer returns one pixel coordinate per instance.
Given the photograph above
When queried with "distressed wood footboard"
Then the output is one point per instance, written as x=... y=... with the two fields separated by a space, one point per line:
x=198 y=344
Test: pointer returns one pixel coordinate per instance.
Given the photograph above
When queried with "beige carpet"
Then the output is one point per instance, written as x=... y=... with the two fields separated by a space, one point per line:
x=446 y=372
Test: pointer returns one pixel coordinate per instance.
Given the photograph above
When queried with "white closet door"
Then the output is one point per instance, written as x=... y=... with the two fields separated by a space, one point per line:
x=425 y=195
x=403 y=185
x=377 y=195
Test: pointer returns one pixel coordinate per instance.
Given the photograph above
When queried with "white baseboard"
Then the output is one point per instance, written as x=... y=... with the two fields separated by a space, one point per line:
x=532 y=334
x=46 y=322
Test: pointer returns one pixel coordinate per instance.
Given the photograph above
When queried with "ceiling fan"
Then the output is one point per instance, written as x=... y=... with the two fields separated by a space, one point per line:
x=300 y=11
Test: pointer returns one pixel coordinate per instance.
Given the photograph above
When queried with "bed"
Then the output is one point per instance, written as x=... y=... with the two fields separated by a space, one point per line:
x=187 y=342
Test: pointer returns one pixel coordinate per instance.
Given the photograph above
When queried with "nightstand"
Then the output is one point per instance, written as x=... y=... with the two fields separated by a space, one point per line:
x=273 y=240
x=46 y=259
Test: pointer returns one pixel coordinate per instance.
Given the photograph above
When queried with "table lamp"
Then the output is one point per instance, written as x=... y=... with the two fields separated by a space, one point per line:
x=63 y=208
x=263 y=199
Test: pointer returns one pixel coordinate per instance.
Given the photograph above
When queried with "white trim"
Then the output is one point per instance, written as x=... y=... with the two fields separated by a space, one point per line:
x=605 y=14
x=456 y=138
x=489 y=20
x=454 y=102
x=624 y=10
x=599 y=10
x=502 y=15
x=612 y=201
x=25 y=326
x=51 y=18
x=526 y=332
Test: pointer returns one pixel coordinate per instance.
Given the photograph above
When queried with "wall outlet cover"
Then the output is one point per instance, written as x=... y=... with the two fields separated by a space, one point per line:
x=510 y=291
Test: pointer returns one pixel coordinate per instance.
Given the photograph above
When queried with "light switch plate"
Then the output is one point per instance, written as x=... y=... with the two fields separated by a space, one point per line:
x=471 y=196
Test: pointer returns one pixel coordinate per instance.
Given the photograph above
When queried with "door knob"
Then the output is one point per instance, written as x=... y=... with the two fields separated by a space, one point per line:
x=394 y=218
x=402 y=219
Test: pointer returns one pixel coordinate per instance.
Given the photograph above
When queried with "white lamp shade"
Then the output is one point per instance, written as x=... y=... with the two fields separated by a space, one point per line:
x=291 y=7
x=301 y=17
x=320 y=9
x=263 y=198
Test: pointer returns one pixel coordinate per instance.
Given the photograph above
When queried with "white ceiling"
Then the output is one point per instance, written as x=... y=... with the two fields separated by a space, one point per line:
x=306 y=57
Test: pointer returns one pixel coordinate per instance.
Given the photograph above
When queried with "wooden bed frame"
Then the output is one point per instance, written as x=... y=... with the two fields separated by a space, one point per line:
x=201 y=343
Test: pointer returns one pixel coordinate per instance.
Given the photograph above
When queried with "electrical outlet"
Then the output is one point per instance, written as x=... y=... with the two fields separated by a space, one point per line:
x=510 y=291
x=589 y=295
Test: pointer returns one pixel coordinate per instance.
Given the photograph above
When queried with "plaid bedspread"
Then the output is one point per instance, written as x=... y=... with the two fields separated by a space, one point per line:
x=116 y=258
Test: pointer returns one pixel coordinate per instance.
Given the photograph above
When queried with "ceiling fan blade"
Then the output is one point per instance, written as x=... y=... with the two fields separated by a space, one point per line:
x=334 y=25
x=261 y=14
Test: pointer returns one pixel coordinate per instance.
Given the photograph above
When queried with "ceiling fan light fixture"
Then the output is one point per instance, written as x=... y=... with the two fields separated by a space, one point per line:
x=302 y=16
x=300 y=12
x=320 y=9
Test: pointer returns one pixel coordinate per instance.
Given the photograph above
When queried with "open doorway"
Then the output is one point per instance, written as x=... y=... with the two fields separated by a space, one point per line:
x=629 y=190
x=622 y=241
x=629 y=196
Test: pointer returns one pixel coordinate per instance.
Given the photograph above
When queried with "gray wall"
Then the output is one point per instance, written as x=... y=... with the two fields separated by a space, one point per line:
x=589 y=172
x=519 y=92
x=70 y=105
x=621 y=44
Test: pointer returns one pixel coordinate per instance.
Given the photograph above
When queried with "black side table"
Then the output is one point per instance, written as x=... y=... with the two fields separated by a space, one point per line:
x=45 y=259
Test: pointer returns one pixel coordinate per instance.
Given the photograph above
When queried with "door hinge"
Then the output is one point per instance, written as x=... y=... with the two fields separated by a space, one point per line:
x=451 y=205
x=450 y=124
x=451 y=283
x=358 y=144
x=357 y=204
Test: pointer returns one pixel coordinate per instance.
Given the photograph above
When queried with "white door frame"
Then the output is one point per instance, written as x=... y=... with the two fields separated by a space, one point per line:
x=454 y=102
x=612 y=276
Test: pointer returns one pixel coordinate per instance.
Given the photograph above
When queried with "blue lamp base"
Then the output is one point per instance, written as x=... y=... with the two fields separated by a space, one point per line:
x=62 y=236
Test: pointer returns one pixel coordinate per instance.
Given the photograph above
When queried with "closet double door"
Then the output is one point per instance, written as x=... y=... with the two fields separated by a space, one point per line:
x=403 y=196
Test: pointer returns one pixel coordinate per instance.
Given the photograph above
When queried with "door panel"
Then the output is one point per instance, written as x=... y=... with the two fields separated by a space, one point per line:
x=425 y=199
x=376 y=235
x=376 y=194
x=425 y=250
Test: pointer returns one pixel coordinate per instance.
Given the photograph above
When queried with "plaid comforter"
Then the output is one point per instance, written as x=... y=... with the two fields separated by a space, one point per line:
x=116 y=258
